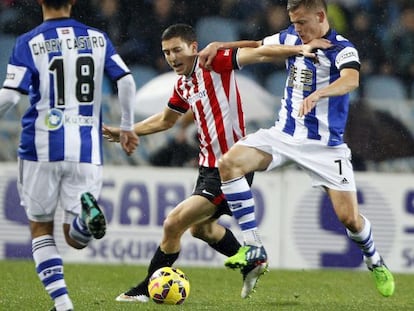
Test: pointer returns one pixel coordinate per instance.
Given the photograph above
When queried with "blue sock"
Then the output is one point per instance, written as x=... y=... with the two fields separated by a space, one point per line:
x=240 y=200
x=79 y=231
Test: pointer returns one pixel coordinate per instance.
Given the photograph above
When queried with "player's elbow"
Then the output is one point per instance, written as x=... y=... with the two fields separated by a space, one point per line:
x=167 y=123
x=353 y=84
x=127 y=82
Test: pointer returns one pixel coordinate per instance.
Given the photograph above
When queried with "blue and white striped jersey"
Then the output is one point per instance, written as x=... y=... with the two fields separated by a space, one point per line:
x=60 y=64
x=326 y=122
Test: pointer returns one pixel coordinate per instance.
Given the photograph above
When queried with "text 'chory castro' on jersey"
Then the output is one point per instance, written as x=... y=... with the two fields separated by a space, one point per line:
x=326 y=122
x=60 y=65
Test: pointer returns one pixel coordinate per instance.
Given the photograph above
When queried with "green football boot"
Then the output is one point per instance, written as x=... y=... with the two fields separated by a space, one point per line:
x=93 y=216
x=383 y=279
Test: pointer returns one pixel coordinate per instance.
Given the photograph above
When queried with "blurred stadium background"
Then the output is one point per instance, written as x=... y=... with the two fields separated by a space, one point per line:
x=381 y=122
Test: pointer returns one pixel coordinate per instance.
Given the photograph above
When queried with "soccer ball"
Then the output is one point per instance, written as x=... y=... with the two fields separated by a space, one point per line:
x=169 y=286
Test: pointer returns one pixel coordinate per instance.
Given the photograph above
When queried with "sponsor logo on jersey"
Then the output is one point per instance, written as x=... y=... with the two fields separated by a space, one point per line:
x=56 y=118
x=197 y=96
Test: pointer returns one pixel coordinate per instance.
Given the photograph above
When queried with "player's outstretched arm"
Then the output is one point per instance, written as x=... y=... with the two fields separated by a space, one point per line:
x=156 y=123
x=277 y=52
x=308 y=48
x=207 y=54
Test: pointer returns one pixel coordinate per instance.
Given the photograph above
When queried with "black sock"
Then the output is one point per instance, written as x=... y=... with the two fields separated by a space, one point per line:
x=159 y=260
x=228 y=245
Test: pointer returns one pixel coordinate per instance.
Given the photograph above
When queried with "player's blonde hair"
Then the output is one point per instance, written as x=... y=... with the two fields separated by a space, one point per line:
x=309 y=4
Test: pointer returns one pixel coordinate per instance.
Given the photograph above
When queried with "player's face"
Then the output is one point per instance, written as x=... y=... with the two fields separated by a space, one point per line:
x=308 y=23
x=179 y=55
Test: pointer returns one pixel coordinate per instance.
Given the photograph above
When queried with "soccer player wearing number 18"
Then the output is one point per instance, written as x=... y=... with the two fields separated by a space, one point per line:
x=60 y=65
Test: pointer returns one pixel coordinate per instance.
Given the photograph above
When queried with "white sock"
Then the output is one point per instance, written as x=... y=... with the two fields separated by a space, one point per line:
x=365 y=242
x=49 y=267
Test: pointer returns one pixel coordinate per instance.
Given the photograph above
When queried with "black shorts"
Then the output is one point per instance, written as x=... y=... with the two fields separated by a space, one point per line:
x=209 y=186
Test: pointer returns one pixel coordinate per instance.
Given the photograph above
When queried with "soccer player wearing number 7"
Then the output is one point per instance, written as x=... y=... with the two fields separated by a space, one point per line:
x=60 y=65
x=309 y=132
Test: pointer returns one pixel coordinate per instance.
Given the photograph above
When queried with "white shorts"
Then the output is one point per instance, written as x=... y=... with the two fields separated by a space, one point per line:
x=327 y=166
x=43 y=186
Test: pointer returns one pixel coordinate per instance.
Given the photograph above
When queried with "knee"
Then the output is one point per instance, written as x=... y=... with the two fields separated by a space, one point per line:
x=226 y=165
x=223 y=164
x=171 y=225
x=352 y=222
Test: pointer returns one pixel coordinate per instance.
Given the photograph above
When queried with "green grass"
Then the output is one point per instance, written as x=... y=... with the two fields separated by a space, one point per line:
x=94 y=287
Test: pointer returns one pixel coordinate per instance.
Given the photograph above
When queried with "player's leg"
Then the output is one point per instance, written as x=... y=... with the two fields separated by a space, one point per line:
x=38 y=188
x=332 y=169
x=233 y=166
x=219 y=238
x=359 y=230
x=49 y=264
x=192 y=210
x=83 y=219
x=216 y=236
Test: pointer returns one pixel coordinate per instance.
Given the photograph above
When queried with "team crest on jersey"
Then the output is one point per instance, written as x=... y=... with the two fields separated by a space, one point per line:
x=54 y=119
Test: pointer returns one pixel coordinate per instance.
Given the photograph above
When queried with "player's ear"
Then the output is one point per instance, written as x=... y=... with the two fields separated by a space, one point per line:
x=321 y=16
x=194 y=46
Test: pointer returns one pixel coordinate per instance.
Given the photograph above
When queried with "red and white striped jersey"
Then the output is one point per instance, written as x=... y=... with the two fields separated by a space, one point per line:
x=214 y=98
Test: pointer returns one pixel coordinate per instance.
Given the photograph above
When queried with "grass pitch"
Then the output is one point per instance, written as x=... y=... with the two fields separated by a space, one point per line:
x=94 y=287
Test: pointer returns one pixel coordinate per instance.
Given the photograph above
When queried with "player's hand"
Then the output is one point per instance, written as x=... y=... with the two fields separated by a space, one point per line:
x=207 y=55
x=308 y=104
x=308 y=48
x=111 y=133
x=129 y=141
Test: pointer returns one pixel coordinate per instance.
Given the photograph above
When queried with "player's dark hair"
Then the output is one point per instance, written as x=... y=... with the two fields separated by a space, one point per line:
x=183 y=31
x=309 y=4
x=57 y=4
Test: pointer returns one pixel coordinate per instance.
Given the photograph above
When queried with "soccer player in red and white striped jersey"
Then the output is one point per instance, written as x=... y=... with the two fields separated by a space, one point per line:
x=214 y=100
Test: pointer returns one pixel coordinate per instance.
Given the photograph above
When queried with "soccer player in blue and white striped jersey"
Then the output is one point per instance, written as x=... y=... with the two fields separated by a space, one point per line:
x=60 y=64
x=309 y=132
